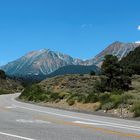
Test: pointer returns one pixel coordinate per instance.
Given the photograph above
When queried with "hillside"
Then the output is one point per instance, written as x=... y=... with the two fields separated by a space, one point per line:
x=62 y=89
x=70 y=83
x=132 y=61
x=8 y=85
x=118 y=49
x=74 y=69
x=80 y=92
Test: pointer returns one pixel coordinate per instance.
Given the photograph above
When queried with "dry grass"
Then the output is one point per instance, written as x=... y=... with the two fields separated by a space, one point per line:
x=70 y=83
x=89 y=107
x=9 y=86
x=74 y=92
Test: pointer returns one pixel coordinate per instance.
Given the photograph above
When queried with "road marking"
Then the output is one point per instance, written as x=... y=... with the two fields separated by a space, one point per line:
x=90 y=127
x=106 y=130
x=88 y=123
x=15 y=136
x=10 y=107
x=135 y=128
x=118 y=126
x=32 y=121
x=82 y=119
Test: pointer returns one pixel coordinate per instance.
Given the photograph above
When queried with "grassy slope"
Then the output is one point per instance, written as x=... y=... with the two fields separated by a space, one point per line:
x=79 y=92
x=76 y=84
x=9 y=86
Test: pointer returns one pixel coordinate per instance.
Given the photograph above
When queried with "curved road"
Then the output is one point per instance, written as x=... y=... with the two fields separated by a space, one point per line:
x=22 y=121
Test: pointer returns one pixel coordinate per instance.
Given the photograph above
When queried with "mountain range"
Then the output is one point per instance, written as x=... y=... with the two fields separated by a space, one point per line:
x=117 y=48
x=45 y=61
x=40 y=62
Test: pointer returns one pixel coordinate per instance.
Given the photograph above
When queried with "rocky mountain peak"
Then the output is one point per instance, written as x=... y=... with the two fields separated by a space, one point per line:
x=117 y=48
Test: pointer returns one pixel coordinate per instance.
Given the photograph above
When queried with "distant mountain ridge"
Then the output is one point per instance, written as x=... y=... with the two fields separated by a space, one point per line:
x=43 y=62
x=117 y=48
x=40 y=62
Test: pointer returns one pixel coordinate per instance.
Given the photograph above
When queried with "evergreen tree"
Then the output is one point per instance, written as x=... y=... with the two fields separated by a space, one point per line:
x=116 y=76
x=2 y=74
x=92 y=72
x=132 y=61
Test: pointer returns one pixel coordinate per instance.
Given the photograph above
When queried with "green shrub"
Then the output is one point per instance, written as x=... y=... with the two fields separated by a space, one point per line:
x=92 y=98
x=44 y=98
x=136 y=109
x=73 y=96
x=54 y=96
x=33 y=93
x=71 y=102
x=63 y=95
x=126 y=98
x=100 y=85
x=104 y=97
x=81 y=98
x=109 y=101
x=116 y=100
x=108 y=106
x=92 y=73
x=117 y=92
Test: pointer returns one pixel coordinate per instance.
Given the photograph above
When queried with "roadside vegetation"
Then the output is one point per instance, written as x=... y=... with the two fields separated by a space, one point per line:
x=8 y=85
x=55 y=90
x=116 y=89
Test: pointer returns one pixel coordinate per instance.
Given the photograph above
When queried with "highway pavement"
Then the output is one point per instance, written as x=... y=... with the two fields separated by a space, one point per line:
x=23 y=121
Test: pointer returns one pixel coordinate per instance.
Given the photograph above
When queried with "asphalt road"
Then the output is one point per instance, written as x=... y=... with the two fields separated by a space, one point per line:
x=21 y=121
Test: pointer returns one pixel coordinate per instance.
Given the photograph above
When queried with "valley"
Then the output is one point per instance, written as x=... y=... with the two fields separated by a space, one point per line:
x=78 y=85
x=69 y=70
x=77 y=97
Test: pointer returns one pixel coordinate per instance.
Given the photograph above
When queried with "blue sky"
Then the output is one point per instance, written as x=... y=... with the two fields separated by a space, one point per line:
x=80 y=28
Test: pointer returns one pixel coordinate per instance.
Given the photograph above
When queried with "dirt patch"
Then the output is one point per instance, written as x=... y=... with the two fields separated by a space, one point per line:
x=90 y=107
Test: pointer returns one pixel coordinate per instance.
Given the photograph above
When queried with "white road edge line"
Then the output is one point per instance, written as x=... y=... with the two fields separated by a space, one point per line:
x=83 y=119
x=32 y=121
x=88 y=123
x=15 y=136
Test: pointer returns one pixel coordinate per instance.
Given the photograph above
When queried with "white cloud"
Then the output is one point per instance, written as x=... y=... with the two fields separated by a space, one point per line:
x=138 y=42
x=87 y=25
x=138 y=28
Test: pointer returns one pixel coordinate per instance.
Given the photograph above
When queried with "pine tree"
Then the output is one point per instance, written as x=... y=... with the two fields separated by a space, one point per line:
x=116 y=76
